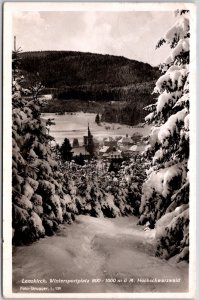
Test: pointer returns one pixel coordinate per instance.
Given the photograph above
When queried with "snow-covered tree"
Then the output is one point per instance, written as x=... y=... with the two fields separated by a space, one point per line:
x=166 y=190
x=40 y=199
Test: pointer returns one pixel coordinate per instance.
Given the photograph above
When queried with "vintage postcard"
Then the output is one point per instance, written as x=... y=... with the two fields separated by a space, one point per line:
x=99 y=177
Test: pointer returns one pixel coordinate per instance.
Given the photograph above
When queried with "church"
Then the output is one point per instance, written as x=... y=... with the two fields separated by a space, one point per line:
x=88 y=143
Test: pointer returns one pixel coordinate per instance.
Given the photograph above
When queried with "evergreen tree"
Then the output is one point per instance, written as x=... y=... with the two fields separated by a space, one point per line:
x=65 y=150
x=80 y=160
x=38 y=191
x=97 y=119
x=166 y=191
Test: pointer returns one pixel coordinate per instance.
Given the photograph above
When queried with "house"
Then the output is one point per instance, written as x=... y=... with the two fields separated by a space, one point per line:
x=137 y=149
x=77 y=151
x=110 y=142
x=125 y=142
x=116 y=160
x=115 y=154
x=104 y=150
x=136 y=137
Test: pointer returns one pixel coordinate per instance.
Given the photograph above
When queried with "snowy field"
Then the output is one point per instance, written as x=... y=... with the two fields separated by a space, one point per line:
x=75 y=126
x=104 y=249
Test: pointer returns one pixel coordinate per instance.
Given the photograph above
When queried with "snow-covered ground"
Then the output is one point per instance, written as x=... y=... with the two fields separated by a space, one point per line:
x=75 y=126
x=98 y=248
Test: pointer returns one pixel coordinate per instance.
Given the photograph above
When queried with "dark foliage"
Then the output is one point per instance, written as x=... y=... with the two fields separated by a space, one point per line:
x=97 y=119
x=86 y=81
x=67 y=68
x=65 y=150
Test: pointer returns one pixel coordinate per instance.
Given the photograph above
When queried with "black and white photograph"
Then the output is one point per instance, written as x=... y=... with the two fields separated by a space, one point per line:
x=99 y=139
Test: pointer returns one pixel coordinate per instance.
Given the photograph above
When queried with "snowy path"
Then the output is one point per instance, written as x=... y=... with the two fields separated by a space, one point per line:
x=97 y=248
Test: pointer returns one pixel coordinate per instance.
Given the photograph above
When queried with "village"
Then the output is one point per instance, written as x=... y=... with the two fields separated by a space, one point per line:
x=109 y=153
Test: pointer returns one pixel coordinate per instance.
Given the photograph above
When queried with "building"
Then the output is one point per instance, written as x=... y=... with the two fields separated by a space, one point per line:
x=115 y=154
x=104 y=150
x=125 y=141
x=89 y=143
x=137 y=149
x=136 y=137
x=77 y=151
x=110 y=142
x=115 y=159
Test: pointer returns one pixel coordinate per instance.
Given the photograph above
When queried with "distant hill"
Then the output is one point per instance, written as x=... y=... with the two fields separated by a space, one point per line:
x=92 y=77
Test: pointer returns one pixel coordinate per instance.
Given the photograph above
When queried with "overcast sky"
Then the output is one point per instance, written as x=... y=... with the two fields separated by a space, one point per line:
x=130 y=34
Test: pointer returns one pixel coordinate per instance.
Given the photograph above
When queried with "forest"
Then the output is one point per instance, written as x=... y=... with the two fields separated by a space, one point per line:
x=76 y=79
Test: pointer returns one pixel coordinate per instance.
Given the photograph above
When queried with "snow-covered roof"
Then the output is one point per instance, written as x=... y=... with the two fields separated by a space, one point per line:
x=138 y=148
x=133 y=148
x=109 y=139
x=125 y=140
x=104 y=149
x=79 y=150
x=115 y=153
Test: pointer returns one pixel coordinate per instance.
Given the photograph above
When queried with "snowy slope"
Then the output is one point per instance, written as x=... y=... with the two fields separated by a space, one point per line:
x=98 y=248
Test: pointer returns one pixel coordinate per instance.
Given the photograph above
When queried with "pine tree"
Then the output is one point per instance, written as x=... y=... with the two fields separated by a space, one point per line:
x=97 y=119
x=80 y=160
x=166 y=191
x=65 y=150
x=39 y=195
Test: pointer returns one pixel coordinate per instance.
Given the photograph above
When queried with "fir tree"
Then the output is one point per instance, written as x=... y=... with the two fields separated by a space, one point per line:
x=97 y=119
x=65 y=150
x=39 y=194
x=80 y=160
x=166 y=191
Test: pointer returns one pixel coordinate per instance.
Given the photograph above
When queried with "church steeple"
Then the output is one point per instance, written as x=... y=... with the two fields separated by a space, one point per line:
x=89 y=132
x=89 y=143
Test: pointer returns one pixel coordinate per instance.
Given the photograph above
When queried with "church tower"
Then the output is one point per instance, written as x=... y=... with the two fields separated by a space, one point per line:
x=89 y=143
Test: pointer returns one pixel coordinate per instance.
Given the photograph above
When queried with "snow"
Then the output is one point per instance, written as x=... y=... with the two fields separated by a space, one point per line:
x=153 y=137
x=171 y=173
x=163 y=99
x=109 y=203
x=24 y=203
x=179 y=29
x=182 y=46
x=158 y=155
x=28 y=191
x=175 y=75
x=186 y=122
x=154 y=182
x=33 y=183
x=32 y=154
x=149 y=117
x=46 y=97
x=98 y=248
x=75 y=126
x=182 y=101
x=165 y=187
x=37 y=222
x=47 y=187
x=104 y=149
x=169 y=127
x=134 y=148
x=169 y=219
x=159 y=182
